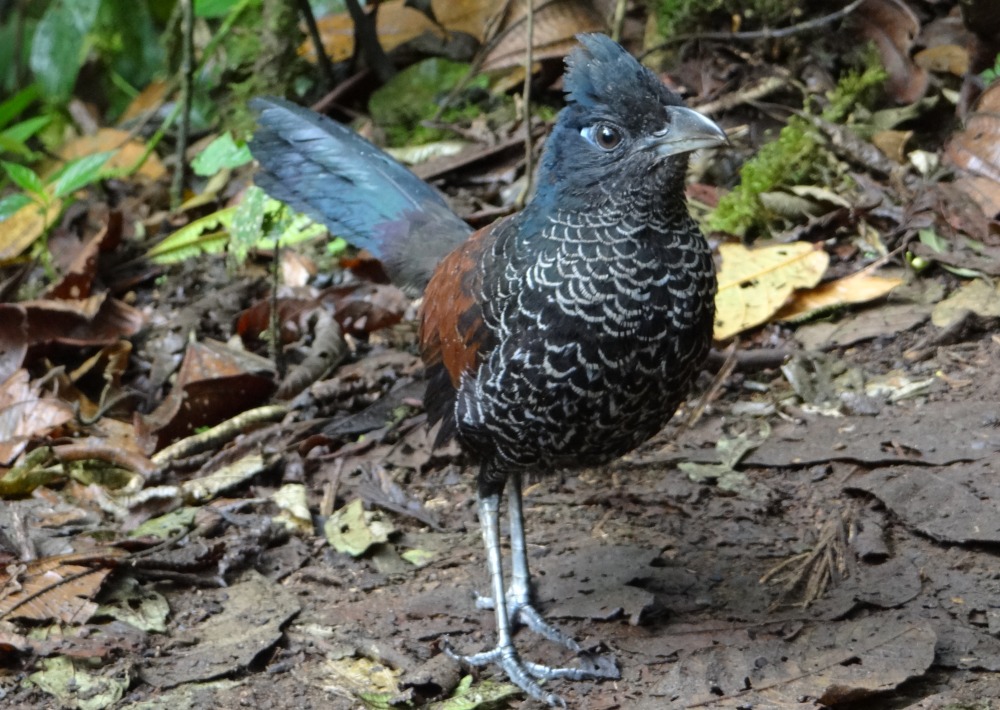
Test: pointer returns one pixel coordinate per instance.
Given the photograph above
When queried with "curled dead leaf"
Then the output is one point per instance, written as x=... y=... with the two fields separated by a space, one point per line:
x=853 y=289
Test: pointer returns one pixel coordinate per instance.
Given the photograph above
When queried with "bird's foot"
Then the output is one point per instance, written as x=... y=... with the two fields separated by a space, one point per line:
x=520 y=611
x=527 y=675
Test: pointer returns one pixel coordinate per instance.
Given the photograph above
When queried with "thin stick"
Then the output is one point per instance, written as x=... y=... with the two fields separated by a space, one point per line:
x=529 y=162
x=806 y=26
x=717 y=382
x=187 y=84
x=322 y=58
x=619 y=20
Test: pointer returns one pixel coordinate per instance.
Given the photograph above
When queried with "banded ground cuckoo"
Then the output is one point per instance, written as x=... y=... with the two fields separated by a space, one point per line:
x=560 y=337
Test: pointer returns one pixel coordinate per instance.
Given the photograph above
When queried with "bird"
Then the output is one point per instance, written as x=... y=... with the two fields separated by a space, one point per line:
x=557 y=338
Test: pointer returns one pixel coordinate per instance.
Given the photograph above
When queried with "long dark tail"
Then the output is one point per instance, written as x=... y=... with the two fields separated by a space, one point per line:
x=329 y=172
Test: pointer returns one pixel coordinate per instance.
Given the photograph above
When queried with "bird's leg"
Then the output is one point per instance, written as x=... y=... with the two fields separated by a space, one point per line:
x=519 y=607
x=524 y=674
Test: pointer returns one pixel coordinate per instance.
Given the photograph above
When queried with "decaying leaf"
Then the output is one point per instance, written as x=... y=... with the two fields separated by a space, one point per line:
x=250 y=616
x=399 y=22
x=731 y=451
x=26 y=413
x=831 y=662
x=135 y=604
x=755 y=283
x=353 y=530
x=479 y=696
x=374 y=683
x=883 y=322
x=215 y=382
x=951 y=504
x=75 y=687
x=292 y=501
x=977 y=297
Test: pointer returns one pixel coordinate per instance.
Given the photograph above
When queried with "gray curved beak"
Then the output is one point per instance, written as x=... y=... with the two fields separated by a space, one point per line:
x=686 y=130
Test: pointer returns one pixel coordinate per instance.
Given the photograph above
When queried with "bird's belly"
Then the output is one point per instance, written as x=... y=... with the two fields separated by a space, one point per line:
x=580 y=401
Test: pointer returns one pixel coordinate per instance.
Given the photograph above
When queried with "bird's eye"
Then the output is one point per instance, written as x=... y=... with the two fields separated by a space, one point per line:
x=604 y=135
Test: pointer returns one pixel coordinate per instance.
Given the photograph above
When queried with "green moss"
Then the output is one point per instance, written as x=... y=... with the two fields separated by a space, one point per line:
x=784 y=161
x=854 y=88
x=680 y=16
x=794 y=157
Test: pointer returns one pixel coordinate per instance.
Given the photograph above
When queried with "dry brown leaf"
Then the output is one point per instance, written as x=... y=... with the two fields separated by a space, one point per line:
x=755 y=283
x=149 y=99
x=54 y=588
x=215 y=382
x=893 y=143
x=975 y=151
x=556 y=25
x=96 y=320
x=26 y=413
x=81 y=260
x=944 y=58
x=856 y=288
x=892 y=27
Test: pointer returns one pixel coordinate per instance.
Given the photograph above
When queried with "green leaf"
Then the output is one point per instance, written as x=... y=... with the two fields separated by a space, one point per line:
x=8 y=145
x=930 y=238
x=15 y=105
x=79 y=173
x=58 y=48
x=285 y=227
x=24 y=130
x=247 y=224
x=214 y=8
x=24 y=177
x=221 y=153
x=195 y=239
x=12 y=203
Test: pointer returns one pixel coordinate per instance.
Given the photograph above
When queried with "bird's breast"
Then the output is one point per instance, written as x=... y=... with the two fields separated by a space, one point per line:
x=598 y=338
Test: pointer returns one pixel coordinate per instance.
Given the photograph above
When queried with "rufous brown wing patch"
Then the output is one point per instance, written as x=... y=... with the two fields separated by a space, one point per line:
x=452 y=332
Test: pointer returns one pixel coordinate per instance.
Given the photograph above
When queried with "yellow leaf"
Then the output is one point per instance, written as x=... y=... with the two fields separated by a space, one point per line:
x=755 y=283
x=129 y=151
x=856 y=288
x=22 y=228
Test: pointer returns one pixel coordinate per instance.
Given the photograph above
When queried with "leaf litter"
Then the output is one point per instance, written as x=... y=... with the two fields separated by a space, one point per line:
x=163 y=524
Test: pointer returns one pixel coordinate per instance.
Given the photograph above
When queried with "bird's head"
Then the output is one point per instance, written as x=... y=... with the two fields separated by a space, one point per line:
x=621 y=128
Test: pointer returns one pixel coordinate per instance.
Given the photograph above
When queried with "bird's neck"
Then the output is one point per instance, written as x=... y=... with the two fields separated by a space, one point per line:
x=658 y=199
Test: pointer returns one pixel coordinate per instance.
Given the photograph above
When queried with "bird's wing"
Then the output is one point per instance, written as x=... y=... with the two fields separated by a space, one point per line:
x=329 y=172
x=454 y=338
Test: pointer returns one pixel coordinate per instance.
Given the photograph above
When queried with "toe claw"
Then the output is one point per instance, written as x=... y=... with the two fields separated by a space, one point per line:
x=527 y=675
